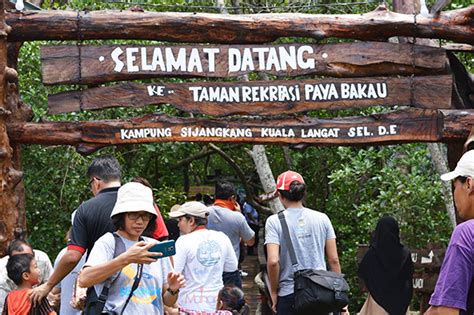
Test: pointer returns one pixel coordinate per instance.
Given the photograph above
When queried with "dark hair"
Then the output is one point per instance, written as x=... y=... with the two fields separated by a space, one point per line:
x=17 y=265
x=119 y=222
x=141 y=180
x=207 y=200
x=198 y=220
x=16 y=245
x=233 y=299
x=224 y=190
x=462 y=179
x=295 y=193
x=105 y=168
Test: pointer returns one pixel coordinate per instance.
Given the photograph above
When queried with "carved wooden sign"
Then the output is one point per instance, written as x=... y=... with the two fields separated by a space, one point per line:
x=428 y=258
x=97 y=64
x=264 y=97
x=394 y=127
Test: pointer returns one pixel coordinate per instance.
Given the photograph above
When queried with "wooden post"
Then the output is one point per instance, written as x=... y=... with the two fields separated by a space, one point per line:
x=9 y=177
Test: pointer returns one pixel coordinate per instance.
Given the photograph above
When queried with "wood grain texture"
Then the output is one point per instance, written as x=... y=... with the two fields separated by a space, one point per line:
x=379 y=24
x=411 y=125
x=264 y=97
x=97 y=64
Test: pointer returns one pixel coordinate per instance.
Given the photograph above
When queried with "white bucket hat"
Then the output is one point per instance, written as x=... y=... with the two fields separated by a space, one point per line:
x=134 y=197
x=194 y=208
x=465 y=167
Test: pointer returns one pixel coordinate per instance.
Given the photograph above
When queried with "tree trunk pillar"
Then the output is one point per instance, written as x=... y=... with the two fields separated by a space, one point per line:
x=9 y=177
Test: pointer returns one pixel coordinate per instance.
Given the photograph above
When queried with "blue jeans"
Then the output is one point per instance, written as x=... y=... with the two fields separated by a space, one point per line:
x=286 y=305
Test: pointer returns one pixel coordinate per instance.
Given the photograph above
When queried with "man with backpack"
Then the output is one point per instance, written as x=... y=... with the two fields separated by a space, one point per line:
x=92 y=220
x=312 y=237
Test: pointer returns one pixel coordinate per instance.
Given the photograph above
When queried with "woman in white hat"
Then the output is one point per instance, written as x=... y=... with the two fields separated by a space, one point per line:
x=139 y=281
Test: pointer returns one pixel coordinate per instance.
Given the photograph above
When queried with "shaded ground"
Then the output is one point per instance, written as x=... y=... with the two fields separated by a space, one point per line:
x=252 y=294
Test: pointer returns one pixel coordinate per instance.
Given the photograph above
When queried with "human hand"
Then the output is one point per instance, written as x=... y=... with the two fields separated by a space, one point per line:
x=138 y=253
x=54 y=298
x=37 y=294
x=237 y=206
x=274 y=297
x=176 y=281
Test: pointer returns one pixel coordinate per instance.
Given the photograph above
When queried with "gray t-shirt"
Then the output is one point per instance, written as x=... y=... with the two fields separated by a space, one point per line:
x=309 y=231
x=66 y=285
x=232 y=224
x=147 y=298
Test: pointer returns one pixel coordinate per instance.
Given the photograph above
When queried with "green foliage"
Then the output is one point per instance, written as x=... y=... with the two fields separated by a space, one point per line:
x=353 y=186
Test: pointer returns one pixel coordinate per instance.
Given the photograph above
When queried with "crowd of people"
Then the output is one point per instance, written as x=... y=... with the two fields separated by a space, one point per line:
x=109 y=265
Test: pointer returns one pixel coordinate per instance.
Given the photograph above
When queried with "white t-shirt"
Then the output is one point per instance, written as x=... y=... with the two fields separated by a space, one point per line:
x=147 y=298
x=309 y=231
x=66 y=285
x=202 y=256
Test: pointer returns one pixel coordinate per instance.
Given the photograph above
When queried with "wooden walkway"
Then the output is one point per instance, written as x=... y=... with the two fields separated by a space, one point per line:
x=252 y=294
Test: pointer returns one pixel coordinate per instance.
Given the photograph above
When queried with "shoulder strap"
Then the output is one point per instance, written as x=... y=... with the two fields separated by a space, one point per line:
x=287 y=238
x=119 y=248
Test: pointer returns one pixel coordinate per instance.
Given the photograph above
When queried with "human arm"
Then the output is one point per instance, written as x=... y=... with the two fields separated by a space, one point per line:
x=138 y=253
x=442 y=310
x=273 y=269
x=65 y=266
x=246 y=233
x=455 y=278
x=175 y=282
x=331 y=254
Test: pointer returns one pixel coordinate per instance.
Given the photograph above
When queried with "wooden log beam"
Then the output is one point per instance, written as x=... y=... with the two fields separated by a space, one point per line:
x=264 y=97
x=98 y=64
x=411 y=125
x=9 y=176
x=380 y=24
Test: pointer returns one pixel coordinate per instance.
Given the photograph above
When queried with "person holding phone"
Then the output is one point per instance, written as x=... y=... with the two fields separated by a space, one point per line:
x=141 y=281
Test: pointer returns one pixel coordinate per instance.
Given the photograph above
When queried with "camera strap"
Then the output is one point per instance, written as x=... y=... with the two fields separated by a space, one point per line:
x=136 y=282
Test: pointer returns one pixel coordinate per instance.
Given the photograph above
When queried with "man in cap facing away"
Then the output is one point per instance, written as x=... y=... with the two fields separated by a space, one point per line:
x=312 y=236
x=202 y=256
x=454 y=291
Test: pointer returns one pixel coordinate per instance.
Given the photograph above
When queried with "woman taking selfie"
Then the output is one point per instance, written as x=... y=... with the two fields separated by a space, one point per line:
x=139 y=281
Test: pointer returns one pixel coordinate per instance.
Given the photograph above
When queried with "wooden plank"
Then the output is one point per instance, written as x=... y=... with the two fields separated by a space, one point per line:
x=264 y=97
x=457 y=126
x=98 y=64
x=380 y=24
x=396 y=127
x=428 y=258
x=424 y=282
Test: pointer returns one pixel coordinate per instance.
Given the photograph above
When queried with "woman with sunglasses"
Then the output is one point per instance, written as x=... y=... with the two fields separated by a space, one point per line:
x=139 y=281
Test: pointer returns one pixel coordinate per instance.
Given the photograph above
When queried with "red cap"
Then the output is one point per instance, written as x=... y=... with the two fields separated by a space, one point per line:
x=286 y=178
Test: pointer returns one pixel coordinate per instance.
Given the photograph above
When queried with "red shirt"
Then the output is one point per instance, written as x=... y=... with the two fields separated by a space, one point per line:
x=160 y=230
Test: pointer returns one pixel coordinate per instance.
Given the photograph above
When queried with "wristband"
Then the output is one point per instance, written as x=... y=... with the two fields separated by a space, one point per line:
x=173 y=293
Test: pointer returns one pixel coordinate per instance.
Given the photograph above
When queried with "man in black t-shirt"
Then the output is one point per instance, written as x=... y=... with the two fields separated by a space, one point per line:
x=92 y=220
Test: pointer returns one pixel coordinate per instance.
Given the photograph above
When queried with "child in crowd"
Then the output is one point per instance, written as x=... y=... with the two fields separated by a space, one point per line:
x=24 y=271
x=230 y=301
x=231 y=298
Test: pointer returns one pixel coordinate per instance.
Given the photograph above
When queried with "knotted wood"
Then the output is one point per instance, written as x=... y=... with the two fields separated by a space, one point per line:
x=380 y=24
x=390 y=128
x=264 y=97
x=98 y=64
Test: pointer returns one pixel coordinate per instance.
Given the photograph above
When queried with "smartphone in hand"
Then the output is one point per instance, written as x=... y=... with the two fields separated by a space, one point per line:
x=167 y=248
